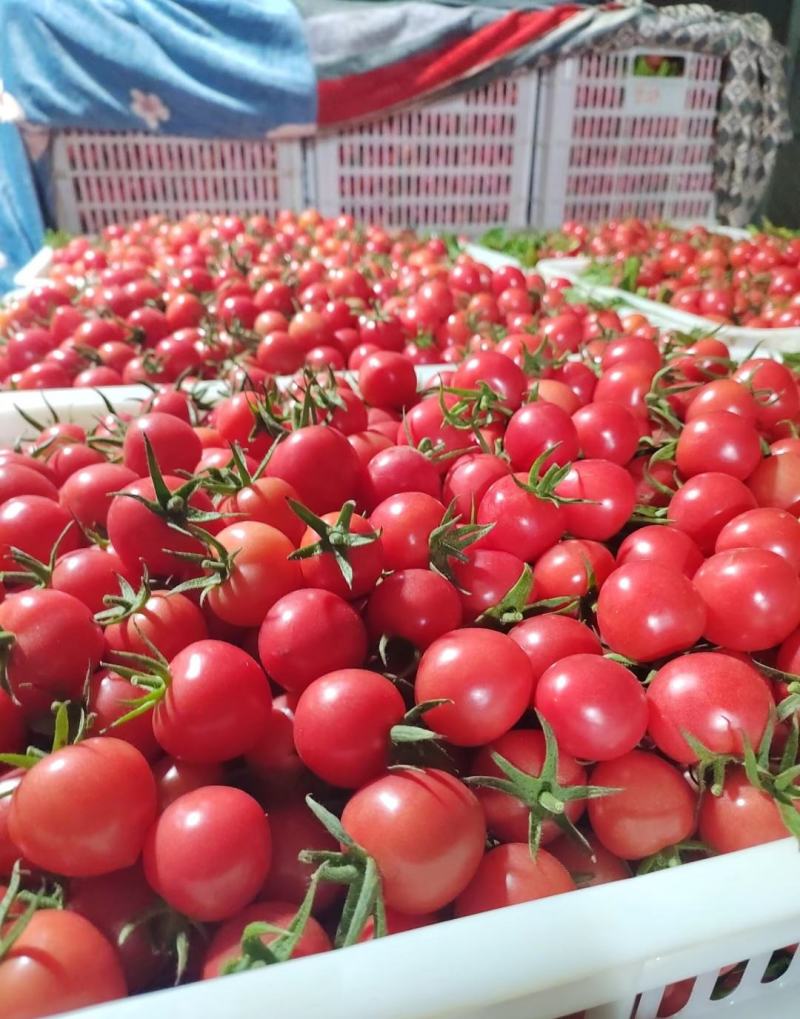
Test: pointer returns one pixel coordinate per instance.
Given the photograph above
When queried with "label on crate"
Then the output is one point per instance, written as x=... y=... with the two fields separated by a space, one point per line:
x=655 y=96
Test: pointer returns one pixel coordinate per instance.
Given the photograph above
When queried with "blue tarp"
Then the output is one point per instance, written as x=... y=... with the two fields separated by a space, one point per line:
x=130 y=65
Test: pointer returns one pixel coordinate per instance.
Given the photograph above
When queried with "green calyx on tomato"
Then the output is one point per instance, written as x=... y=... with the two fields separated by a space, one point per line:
x=174 y=507
x=352 y=867
x=62 y=736
x=336 y=538
x=542 y=793
x=450 y=540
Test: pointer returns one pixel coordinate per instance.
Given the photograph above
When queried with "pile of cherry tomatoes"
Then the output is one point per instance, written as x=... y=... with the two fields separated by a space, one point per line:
x=337 y=655
x=752 y=282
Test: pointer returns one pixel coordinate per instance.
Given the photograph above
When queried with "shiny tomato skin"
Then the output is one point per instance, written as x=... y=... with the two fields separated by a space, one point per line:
x=712 y=696
x=307 y=634
x=17 y=479
x=167 y=620
x=266 y=500
x=538 y=427
x=589 y=867
x=606 y=431
x=655 y=807
x=507 y=818
x=342 y=726
x=484 y=578
x=33 y=524
x=87 y=494
x=508 y=875
x=405 y=522
x=469 y=479
x=90 y=574
x=742 y=816
x=664 y=544
x=110 y=697
x=56 y=641
x=416 y=605
x=85 y=809
x=772 y=529
x=776 y=482
x=142 y=536
x=225 y=945
x=174 y=778
x=209 y=852
x=609 y=495
x=647 y=610
x=260 y=573
x=703 y=506
x=59 y=962
x=174 y=443
x=548 y=638
x=366 y=561
x=718 y=441
x=524 y=524
x=596 y=707
x=566 y=570
x=320 y=464
x=426 y=833
x=487 y=677
x=216 y=705
x=752 y=597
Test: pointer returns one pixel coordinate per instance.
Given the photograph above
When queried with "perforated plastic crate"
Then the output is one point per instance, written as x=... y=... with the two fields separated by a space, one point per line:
x=612 y=142
x=462 y=162
x=108 y=177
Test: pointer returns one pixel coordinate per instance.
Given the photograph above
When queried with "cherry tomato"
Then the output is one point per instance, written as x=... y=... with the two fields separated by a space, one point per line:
x=209 y=852
x=425 y=831
x=55 y=642
x=508 y=818
x=567 y=569
x=607 y=497
x=260 y=573
x=703 y=506
x=718 y=441
x=646 y=610
x=84 y=809
x=416 y=605
x=59 y=962
x=320 y=464
x=588 y=867
x=740 y=817
x=485 y=675
x=664 y=544
x=226 y=943
x=767 y=528
x=507 y=875
x=307 y=634
x=216 y=704
x=342 y=725
x=752 y=596
x=168 y=621
x=712 y=697
x=654 y=808
x=596 y=707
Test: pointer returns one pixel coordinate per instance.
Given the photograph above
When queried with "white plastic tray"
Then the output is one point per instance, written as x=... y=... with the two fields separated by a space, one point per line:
x=572 y=268
x=596 y=948
x=35 y=270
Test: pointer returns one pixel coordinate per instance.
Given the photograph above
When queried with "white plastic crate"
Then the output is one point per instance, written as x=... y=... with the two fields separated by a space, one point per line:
x=103 y=177
x=463 y=162
x=610 y=949
x=739 y=337
x=612 y=143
